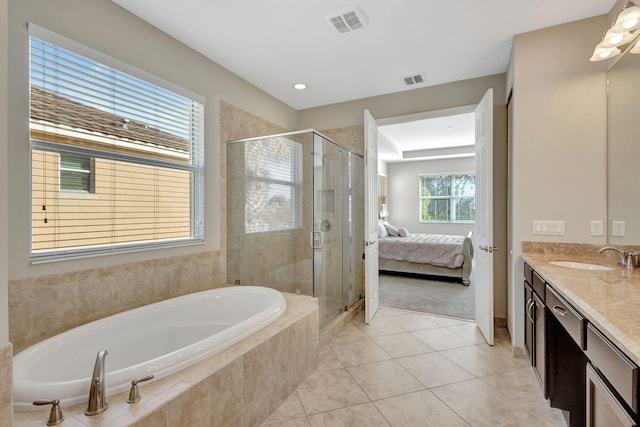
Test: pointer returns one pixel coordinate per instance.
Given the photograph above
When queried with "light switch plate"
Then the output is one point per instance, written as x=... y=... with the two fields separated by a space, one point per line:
x=548 y=228
x=618 y=228
x=597 y=228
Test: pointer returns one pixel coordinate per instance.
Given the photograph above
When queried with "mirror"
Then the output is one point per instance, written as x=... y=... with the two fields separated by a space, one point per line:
x=623 y=151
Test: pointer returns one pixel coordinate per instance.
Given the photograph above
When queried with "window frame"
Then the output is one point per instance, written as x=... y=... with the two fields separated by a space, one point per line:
x=89 y=172
x=195 y=166
x=449 y=198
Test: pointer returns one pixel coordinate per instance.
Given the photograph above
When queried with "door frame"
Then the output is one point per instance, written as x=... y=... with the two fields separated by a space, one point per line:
x=451 y=111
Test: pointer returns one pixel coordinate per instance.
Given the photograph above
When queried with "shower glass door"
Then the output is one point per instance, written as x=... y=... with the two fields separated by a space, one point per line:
x=326 y=237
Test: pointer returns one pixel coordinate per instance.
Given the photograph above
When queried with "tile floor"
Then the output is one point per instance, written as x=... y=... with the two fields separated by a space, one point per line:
x=412 y=369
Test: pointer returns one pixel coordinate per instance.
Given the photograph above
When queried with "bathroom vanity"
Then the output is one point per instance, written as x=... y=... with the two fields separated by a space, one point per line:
x=582 y=336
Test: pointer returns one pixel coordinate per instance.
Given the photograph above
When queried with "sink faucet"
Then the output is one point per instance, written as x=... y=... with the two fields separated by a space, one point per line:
x=97 y=402
x=628 y=259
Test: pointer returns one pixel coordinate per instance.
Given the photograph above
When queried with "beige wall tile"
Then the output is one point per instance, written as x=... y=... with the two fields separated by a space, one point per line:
x=6 y=384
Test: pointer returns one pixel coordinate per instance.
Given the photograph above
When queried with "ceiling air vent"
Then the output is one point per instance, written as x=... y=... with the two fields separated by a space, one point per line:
x=415 y=79
x=346 y=21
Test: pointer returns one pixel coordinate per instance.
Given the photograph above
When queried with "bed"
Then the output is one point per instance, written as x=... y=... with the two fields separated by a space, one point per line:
x=427 y=254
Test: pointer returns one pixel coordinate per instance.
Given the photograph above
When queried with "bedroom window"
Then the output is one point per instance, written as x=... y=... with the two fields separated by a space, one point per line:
x=448 y=198
x=117 y=159
x=273 y=184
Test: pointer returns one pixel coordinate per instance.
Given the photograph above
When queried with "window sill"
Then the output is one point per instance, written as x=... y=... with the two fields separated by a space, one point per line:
x=78 y=196
x=71 y=255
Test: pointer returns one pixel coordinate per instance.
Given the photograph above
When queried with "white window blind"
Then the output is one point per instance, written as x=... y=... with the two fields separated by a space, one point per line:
x=117 y=161
x=273 y=180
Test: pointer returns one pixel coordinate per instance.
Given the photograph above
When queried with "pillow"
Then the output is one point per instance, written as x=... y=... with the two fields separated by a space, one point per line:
x=393 y=231
x=403 y=232
x=382 y=230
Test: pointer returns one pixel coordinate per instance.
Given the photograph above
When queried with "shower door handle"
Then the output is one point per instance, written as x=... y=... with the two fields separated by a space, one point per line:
x=317 y=239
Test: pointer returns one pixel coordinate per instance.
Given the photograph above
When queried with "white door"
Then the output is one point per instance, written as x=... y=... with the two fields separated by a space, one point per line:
x=371 y=217
x=482 y=272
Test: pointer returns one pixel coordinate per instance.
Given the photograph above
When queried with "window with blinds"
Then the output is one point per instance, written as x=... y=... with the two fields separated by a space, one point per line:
x=273 y=181
x=448 y=198
x=116 y=160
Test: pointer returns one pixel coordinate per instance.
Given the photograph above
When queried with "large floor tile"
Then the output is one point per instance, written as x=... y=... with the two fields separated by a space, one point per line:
x=402 y=345
x=479 y=360
x=419 y=409
x=441 y=338
x=385 y=379
x=481 y=405
x=326 y=391
x=433 y=369
x=357 y=352
x=378 y=326
x=360 y=415
x=390 y=312
x=414 y=322
x=327 y=360
x=289 y=409
x=298 y=422
x=468 y=331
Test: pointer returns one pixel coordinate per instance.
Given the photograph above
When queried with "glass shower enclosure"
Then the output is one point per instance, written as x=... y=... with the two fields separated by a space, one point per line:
x=295 y=217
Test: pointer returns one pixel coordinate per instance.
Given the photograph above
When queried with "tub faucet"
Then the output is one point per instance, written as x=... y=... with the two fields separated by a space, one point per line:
x=628 y=259
x=97 y=402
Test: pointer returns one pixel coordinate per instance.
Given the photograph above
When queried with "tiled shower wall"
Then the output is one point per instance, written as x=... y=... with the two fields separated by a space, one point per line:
x=6 y=381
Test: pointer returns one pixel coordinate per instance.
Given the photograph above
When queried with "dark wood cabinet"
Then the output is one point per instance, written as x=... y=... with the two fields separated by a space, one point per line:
x=581 y=371
x=535 y=325
x=604 y=409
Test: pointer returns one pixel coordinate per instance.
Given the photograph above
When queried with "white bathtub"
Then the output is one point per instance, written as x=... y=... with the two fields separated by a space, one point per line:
x=157 y=339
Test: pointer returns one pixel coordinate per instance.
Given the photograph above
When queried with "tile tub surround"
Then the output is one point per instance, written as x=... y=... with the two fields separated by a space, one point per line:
x=239 y=386
x=419 y=370
x=6 y=380
x=608 y=299
x=45 y=306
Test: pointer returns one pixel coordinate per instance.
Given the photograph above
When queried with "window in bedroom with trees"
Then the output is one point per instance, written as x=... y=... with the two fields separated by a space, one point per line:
x=448 y=197
x=117 y=159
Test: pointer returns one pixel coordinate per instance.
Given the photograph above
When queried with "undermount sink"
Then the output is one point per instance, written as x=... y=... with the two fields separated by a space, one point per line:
x=580 y=265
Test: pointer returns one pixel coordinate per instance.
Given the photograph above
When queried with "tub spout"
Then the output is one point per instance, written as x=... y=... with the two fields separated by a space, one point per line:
x=97 y=401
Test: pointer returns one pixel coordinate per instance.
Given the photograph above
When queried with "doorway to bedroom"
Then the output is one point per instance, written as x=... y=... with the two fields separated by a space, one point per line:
x=426 y=164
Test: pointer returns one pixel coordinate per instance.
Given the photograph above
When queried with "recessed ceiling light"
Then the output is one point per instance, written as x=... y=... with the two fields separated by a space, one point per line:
x=300 y=86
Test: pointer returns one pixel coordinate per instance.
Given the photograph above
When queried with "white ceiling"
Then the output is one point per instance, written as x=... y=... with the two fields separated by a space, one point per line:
x=427 y=134
x=276 y=43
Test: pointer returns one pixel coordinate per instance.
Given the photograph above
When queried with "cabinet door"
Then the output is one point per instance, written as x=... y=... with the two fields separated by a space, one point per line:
x=528 y=321
x=539 y=342
x=603 y=408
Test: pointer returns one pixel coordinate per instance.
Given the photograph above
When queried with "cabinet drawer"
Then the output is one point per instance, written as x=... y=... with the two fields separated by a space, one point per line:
x=568 y=317
x=618 y=369
x=528 y=273
x=538 y=285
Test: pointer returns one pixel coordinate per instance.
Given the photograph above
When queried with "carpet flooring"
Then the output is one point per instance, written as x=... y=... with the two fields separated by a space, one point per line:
x=419 y=293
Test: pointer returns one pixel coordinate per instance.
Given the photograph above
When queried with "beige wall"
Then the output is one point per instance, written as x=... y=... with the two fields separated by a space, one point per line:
x=462 y=93
x=404 y=190
x=559 y=141
x=92 y=24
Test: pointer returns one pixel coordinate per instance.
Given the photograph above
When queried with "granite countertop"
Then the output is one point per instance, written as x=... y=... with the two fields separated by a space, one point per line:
x=609 y=299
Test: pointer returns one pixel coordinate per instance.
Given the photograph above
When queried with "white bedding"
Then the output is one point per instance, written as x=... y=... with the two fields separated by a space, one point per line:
x=437 y=249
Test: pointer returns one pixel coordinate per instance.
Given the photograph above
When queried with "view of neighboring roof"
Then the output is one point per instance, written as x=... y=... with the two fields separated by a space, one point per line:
x=57 y=110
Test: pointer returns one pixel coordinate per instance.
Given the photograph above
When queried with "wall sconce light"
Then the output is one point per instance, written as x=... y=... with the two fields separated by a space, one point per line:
x=384 y=212
x=620 y=33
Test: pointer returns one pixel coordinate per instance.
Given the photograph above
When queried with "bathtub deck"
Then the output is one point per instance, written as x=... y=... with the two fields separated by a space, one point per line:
x=239 y=386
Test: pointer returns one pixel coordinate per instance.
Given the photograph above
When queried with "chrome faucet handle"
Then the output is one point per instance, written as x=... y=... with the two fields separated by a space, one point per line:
x=134 y=393
x=631 y=259
x=97 y=401
x=55 y=416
